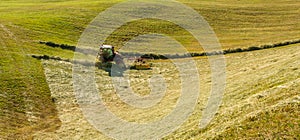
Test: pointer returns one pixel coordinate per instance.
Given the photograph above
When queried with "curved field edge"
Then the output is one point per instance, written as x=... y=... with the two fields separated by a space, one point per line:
x=25 y=99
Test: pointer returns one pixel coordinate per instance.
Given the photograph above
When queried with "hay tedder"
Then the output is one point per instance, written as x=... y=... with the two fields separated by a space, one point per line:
x=107 y=57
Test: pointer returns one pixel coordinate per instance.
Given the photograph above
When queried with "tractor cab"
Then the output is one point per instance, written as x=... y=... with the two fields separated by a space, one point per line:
x=106 y=53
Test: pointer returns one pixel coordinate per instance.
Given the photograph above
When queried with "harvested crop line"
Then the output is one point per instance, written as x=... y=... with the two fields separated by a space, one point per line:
x=174 y=56
x=56 y=58
x=67 y=47
x=46 y=57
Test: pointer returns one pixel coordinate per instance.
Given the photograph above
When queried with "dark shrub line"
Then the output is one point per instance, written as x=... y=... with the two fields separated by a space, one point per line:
x=173 y=56
x=261 y=47
x=68 y=47
x=46 y=57
x=63 y=46
x=228 y=51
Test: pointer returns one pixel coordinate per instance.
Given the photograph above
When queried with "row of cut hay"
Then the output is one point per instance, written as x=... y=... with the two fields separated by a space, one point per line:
x=175 y=56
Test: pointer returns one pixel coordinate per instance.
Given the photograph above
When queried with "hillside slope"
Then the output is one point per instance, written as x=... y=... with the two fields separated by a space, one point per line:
x=27 y=107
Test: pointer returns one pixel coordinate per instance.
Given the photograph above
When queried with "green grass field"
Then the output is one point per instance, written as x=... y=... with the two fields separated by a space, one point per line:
x=24 y=91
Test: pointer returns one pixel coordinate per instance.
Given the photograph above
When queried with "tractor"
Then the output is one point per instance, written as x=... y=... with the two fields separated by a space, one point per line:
x=107 y=55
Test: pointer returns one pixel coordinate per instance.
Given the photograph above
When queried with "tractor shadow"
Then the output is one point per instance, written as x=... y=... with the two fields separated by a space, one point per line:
x=112 y=69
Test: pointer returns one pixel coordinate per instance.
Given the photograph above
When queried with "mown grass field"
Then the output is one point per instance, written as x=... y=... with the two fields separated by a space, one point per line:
x=261 y=100
x=24 y=91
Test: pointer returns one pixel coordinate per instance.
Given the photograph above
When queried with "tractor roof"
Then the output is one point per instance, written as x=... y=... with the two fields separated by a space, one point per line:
x=106 y=47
